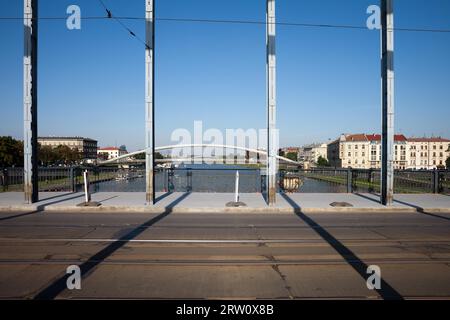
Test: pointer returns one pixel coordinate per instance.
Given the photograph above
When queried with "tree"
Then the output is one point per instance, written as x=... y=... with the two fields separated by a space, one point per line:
x=322 y=162
x=292 y=156
x=141 y=156
x=46 y=155
x=11 y=152
x=67 y=155
x=447 y=163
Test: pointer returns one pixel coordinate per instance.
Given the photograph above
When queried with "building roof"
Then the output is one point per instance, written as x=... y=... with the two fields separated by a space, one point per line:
x=356 y=137
x=433 y=139
x=66 y=138
x=377 y=137
x=108 y=149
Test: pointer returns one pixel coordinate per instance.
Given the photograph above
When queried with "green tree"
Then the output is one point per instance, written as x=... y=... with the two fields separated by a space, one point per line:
x=292 y=156
x=67 y=155
x=46 y=155
x=11 y=152
x=141 y=156
x=447 y=163
x=322 y=162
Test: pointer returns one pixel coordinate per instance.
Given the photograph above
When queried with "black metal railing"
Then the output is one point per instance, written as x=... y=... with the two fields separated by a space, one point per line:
x=252 y=180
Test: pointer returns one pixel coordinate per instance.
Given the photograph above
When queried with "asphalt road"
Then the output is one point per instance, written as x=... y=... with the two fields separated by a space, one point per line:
x=281 y=256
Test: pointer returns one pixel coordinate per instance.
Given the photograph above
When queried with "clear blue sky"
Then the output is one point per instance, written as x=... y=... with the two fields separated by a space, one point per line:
x=91 y=81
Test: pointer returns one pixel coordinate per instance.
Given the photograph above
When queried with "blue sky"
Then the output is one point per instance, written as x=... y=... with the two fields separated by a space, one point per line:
x=91 y=81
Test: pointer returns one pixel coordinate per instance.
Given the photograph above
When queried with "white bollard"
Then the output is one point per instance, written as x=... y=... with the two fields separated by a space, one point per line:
x=236 y=188
x=87 y=195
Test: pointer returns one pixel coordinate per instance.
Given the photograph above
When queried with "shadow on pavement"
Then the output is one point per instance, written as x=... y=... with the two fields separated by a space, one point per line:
x=386 y=291
x=58 y=286
x=19 y=215
x=421 y=210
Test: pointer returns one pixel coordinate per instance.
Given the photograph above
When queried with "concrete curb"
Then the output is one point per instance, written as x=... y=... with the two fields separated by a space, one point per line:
x=246 y=210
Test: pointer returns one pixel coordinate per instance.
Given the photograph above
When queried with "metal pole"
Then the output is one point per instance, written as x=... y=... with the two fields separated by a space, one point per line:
x=30 y=143
x=236 y=188
x=149 y=100
x=271 y=102
x=387 y=61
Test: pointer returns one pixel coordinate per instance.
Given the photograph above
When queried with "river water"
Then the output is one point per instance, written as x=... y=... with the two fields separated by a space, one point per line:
x=211 y=178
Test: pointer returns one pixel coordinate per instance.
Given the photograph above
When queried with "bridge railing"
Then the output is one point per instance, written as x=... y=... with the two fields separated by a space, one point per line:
x=368 y=180
x=252 y=180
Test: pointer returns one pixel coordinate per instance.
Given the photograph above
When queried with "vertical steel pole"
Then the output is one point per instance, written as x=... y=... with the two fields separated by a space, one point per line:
x=30 y=144
x=387 y=61
x=149 y=100
x=271 y=102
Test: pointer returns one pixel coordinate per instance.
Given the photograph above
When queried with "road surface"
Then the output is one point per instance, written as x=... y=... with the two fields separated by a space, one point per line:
x=182 y=255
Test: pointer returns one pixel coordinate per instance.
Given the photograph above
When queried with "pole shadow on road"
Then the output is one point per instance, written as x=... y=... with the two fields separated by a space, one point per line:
x=19 y=215
x=59 y=285
x=386 y=291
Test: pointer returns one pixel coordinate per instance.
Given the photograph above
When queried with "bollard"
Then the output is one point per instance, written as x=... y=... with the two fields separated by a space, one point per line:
x=87 y=195
x=236 y=188
x=236 y=202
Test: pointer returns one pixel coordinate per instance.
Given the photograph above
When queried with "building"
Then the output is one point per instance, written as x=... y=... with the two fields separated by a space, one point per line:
x=363 y=151
x=311 y=153
x=428 y=153
x=110 y=152
x=294 y=150
x=86 y=146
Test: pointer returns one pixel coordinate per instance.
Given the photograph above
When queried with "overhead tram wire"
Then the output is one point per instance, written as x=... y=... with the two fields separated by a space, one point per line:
x=255 y=22
x=118 y=20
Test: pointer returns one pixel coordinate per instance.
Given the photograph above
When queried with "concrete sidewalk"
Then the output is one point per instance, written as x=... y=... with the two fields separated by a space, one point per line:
x=215 y=202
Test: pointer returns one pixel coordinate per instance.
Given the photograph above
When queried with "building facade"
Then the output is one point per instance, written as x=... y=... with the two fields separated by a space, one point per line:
x=110 y=152
x=311 y=153
x=428 y=153
x=363 y=151
x=86 y=146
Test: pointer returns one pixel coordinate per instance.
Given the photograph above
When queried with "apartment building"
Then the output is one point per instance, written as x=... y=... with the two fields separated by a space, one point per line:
x=86 y=146
x=428 y=153
x=311 y=153
x=110 y=152
x=363 y=151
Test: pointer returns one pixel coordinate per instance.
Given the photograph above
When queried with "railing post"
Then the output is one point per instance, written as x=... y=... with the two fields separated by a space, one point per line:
x=189 y=180
x=349 y=180
x=171 y=185
x=435 y=181
x=72 y=179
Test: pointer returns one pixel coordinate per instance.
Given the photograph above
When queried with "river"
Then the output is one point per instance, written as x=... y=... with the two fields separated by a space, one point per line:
x=211 y=178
